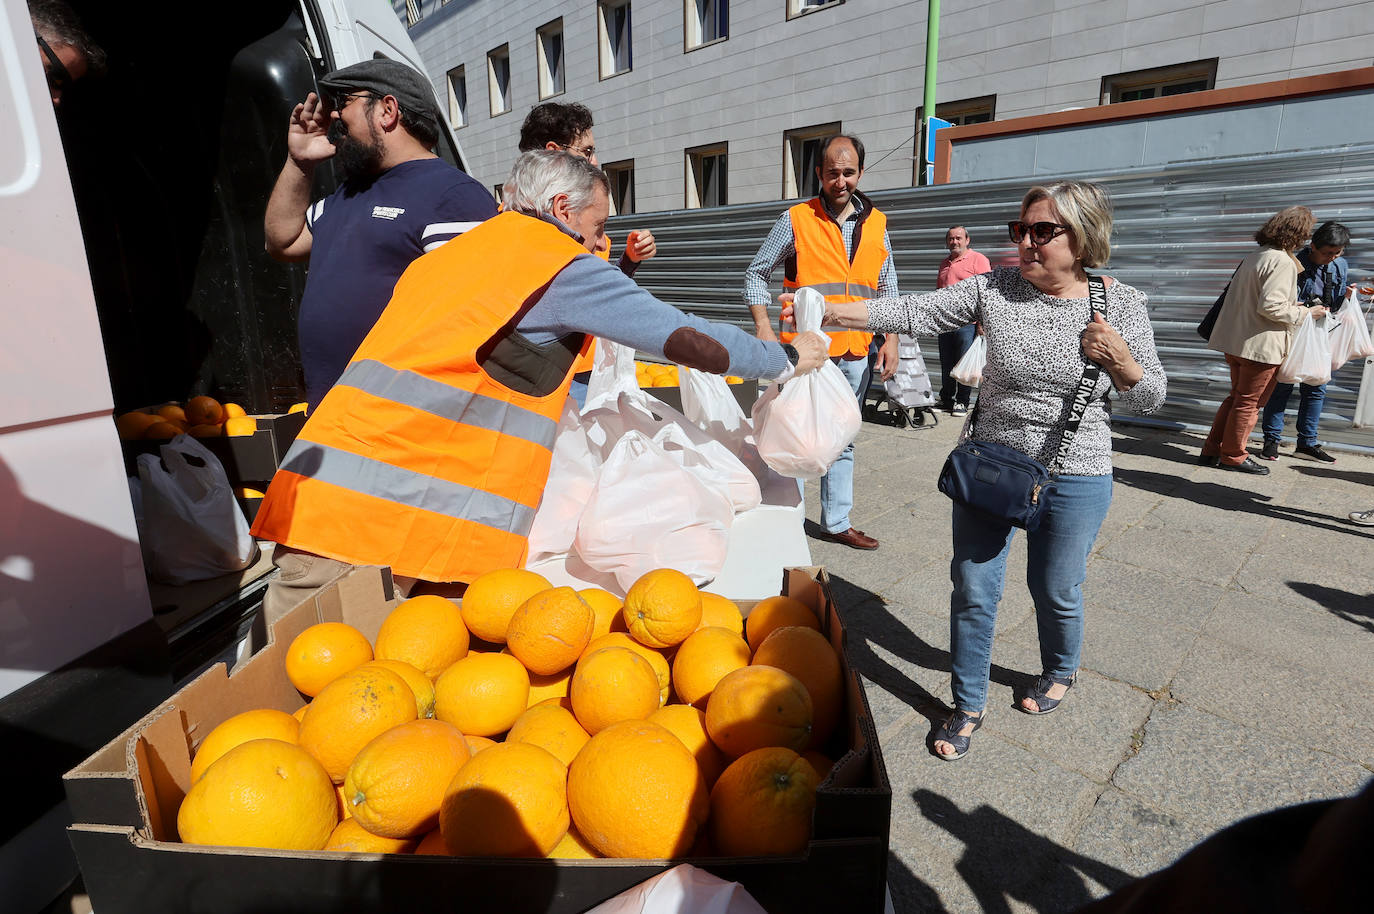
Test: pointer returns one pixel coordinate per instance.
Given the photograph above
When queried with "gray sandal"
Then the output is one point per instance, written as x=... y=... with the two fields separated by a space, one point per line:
x=1039 y=693
x=949 y=732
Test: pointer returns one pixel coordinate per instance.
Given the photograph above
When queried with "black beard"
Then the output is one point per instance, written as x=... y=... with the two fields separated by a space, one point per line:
x=352 y=157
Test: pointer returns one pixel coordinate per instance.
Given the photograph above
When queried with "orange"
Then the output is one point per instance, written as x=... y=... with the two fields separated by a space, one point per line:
x=204 y=411
x=299 y=713
x=718 y=612
x=549 y=631
x=656 y=659
x=246 y=492
x=262 y=723
x=350 y=712
x=351 y=837
x=493 y=598
x=662 y=608
x=205 y=431
x=809 y=656
x=298 y=408
x=555 y=685
x=233 y=411
x=819 y=761
x=551 y=726
x=510 y=801
x=573 y=847
x=703 y=660
x=606 y=606
x=611 y=685
x=172 y=413
x=689 y=725
x=758 y=706
x=397 y=781
x=133 y=424
x=345 y=811
x=432 y=845
x=161 y=430
x=323 y=653
x=482 y=694
x=240 y=425
x=262 y=793
x=477 y=743
x=635 y=791
x=775 y=612
x=419 y=684
x=763 y=803
x=426 y=632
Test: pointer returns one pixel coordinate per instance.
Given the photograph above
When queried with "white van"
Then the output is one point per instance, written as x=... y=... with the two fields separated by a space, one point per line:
x=132 y=271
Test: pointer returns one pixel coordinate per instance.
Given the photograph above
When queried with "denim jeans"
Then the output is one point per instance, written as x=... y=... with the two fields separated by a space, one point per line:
x=578 y=389
x=837 y=485
x=952 y=347
x=1058 y=565
x=1309 y=412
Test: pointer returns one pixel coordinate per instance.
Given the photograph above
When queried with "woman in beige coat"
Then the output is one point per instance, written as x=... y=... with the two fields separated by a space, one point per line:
x=1254 y=329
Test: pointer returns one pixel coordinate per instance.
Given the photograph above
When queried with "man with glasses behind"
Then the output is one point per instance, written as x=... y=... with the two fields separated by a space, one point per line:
x=68 y=53
x=379 y=124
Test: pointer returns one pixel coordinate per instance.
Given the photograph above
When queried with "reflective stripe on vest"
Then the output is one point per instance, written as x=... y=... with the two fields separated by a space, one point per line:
x=823 y=263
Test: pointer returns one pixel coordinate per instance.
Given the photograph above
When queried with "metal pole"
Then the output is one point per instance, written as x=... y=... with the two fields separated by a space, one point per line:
x=928 y=98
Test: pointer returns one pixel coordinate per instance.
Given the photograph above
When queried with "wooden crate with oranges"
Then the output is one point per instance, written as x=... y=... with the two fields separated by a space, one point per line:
x=664 y=383
x=530 y=748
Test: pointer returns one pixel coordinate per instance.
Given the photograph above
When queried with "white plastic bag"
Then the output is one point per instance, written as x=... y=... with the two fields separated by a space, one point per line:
x=910 y=386
x=684 y=889
x=708 y=402
x=193 y=528
x=1350 y=337
x=802 y=428
x=648 y=512
x=969 y=370
x=613 y=373
x=572 y=476
x=1309 y=356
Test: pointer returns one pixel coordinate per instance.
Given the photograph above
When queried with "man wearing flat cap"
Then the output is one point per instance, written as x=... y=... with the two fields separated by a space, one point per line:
x=378 y=122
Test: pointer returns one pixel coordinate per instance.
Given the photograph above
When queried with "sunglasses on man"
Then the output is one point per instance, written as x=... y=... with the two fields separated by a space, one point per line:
x=1040 y=232
x=59 y=77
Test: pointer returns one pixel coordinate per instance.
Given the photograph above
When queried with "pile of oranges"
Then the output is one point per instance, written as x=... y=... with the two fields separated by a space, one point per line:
x=536 y=721
x=654 y=374
x=202 y=417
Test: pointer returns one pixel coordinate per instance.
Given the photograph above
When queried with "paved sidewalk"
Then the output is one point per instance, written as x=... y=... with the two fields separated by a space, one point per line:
x=1228 y=660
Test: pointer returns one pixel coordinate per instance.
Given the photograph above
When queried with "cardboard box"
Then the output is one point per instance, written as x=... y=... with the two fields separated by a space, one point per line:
x=746 y=392
x=247 y=458
x=124 y=801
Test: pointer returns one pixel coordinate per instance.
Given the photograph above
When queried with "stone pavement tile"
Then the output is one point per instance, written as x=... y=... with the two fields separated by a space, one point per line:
x=1316 y=708
x=899 y=551
x=1130 y=836
x=1154 y=546
x=905 y=656
x=1305 y=636
x=1211 y=771
x=1133 y=649
x=1321 y=568
x=1349 y=477
x=1151 y=595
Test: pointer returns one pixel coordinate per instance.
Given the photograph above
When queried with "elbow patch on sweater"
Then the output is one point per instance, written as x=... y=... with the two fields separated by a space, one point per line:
x=695 y=349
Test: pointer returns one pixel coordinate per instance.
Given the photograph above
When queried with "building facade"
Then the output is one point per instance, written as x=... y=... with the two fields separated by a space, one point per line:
x=711 y=102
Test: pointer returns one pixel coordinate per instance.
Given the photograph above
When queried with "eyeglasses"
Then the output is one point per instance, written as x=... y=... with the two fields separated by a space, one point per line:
x=1040 y=232
x=59 y=77
x=585 y=151
x=340 y=102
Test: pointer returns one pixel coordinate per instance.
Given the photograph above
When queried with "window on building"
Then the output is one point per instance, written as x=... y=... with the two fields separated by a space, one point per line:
x=458 y=97
x=550 y=47
x=1159 y=82
x=613 y=24
x=706 y=176
x=622 y=178
x=802 y=7
x=498 y=79
x=412 y=12
x=801 y=154
x=707 y=21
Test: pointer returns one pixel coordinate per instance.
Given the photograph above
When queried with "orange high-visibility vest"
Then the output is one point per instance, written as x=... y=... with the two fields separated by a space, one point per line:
x=586 y=360
x=823 y=264
x=426 y=455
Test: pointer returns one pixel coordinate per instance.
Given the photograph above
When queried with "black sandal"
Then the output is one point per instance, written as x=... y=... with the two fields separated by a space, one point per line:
x=949 y=732
x=1039 y=693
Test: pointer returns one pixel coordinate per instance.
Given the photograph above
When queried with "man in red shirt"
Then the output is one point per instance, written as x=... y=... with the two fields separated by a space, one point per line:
x=961 y=263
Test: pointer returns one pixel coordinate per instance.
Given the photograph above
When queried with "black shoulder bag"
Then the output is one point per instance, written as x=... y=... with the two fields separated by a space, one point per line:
x=1004 y=483
x=1204 y=327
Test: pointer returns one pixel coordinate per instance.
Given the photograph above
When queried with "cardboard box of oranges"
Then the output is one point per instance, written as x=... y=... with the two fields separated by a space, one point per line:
x=126 y=798
x=250 y=447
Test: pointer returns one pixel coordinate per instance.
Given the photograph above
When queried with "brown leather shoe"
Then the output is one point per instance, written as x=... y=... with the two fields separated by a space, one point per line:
x=854 y=539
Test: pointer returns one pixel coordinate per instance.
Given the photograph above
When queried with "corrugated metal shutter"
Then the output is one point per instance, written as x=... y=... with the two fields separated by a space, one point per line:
x=1180 y=231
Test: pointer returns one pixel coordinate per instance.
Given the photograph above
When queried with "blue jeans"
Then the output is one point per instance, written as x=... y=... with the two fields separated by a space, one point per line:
x=952 y=347
x=837 y=485
x=578 y=389
x=1058 y=554
x=1309 y=413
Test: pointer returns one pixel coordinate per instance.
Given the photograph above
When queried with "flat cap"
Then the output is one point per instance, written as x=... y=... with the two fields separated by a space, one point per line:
x=387 y=77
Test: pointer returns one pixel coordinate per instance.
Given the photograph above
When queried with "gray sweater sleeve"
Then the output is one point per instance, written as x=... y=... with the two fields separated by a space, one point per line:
x=591 y=296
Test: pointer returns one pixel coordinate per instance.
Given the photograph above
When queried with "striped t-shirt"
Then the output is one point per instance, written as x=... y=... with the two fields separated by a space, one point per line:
x=364 y=235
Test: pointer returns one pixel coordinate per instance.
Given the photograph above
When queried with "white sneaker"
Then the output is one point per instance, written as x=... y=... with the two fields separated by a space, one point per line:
x=1362 y=518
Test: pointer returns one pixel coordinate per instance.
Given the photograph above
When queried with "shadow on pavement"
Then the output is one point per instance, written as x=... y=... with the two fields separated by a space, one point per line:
x=1321 y=472
x=1141 y=442
x=1342 y=604
x=1002 y=860
x=1230 y=498
x=910 y=894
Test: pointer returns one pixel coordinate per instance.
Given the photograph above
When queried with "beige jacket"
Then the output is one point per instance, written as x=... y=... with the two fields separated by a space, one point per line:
x=1261 y=312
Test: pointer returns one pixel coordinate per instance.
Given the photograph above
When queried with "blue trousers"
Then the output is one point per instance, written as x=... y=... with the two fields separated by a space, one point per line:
x=1309 y=412
x=1058 y=553
x=952 y=347
x=837 y=485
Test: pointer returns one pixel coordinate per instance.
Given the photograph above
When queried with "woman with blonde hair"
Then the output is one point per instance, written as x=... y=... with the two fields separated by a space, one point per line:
x=1253 y=330
x=1040 y=340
